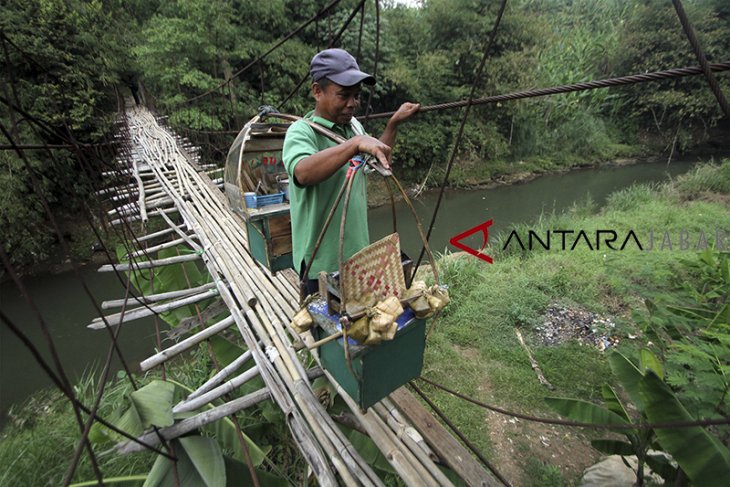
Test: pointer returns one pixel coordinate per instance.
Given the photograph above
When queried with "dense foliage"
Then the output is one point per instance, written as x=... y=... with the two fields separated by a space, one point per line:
x=60 y=69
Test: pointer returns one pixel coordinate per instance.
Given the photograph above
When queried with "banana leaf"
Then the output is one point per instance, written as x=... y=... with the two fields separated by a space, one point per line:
x=703 y=458
x=584 y=411
x=629 y=375
x=614 y=447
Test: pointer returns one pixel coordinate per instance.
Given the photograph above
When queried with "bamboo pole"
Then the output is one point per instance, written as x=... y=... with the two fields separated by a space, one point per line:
x=533 y=363
x=407 y=429
x=156 y=248
x=149 y=263
x=201 y=419
x=195 y=422
x=221 y=375
x=410 y=437
x=186 y=344
x=161 y=233
x=408 y=471
x=182 y=234
x=134 y=218
x=451 y=451
x=303 y=436
x=137 y=313
x=153 y=298
x=216 y=393
x=141 y=189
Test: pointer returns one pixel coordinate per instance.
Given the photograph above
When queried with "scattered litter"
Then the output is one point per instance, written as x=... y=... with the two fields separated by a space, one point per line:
x=561 y=324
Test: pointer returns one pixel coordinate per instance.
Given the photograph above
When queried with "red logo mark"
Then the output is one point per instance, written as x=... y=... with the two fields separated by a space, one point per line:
x=484 y=228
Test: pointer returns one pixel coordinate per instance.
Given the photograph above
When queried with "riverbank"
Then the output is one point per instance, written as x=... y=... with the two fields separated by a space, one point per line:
x=571 y=306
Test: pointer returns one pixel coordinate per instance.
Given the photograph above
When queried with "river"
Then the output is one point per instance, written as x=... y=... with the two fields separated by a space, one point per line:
x=67 y=310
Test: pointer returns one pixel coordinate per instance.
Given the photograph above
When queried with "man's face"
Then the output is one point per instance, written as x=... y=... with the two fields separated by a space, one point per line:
x=336 y=103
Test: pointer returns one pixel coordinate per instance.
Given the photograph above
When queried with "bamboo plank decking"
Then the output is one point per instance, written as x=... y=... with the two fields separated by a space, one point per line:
x=261 y=307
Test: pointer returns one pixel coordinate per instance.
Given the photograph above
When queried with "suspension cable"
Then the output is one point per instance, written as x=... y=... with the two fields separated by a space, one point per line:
x=587 y=85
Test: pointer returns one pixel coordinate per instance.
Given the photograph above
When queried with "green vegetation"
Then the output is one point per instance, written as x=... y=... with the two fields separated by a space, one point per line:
x=66 y=61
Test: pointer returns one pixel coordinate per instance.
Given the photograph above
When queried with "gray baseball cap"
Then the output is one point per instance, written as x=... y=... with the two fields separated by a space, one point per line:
x=338 y=66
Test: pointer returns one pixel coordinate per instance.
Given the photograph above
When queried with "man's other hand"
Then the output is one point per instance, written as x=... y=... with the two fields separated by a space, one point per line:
x=406 y=111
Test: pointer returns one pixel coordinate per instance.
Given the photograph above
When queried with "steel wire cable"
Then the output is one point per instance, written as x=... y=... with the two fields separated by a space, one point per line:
x=586 y=85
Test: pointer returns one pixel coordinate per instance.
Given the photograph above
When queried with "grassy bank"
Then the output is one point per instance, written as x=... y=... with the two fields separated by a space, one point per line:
x=473 y=347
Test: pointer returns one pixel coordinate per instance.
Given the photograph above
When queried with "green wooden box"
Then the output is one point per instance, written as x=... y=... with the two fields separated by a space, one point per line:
x=380 y=369
x=269 y=236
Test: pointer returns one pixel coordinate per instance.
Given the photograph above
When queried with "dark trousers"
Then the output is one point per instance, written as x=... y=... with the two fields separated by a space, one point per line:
x=306 y=286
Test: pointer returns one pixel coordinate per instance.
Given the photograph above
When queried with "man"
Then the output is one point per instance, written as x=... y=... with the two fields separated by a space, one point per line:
x=317 y=166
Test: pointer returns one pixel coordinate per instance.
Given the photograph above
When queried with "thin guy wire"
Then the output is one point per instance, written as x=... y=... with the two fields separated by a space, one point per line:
x=565 y=422
x=54 y=378
x=461 y=435
x=485 y=54
x=331 y=44
x=260 y=58
x=371 y=89
x=699 y=53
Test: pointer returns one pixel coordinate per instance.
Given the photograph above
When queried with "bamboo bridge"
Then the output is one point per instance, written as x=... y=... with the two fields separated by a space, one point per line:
x=168 y=183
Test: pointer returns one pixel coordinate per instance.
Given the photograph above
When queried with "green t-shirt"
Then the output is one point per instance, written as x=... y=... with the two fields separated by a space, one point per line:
x=310 y=205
